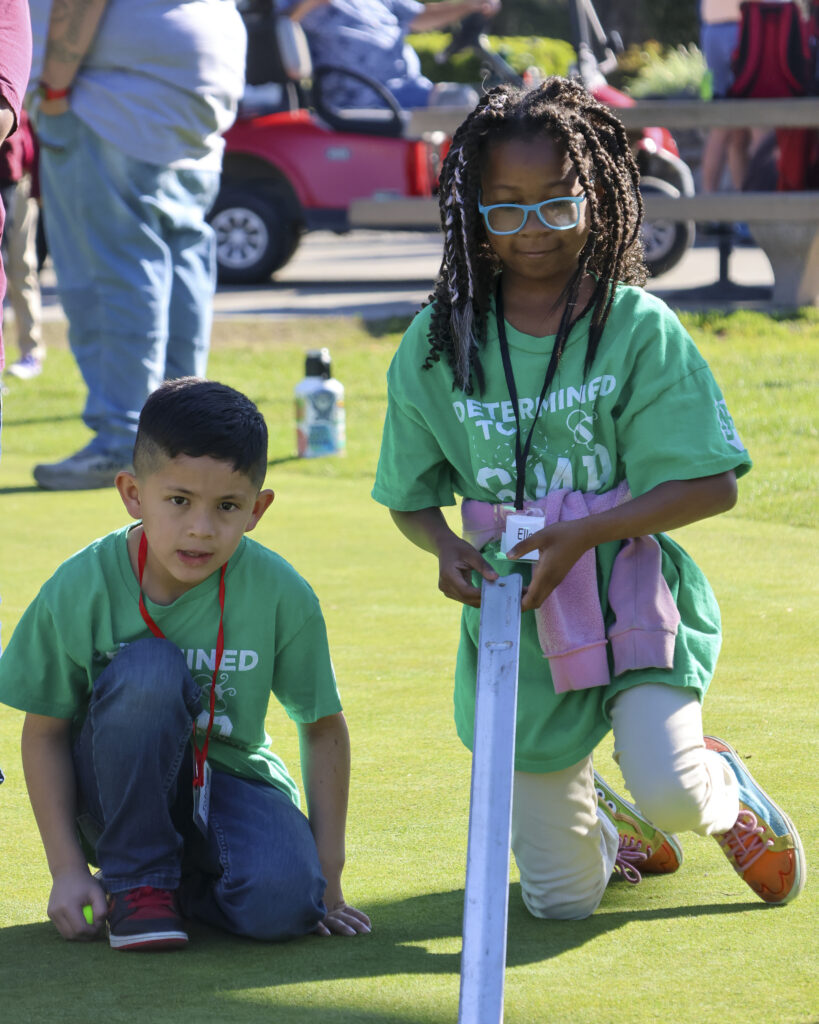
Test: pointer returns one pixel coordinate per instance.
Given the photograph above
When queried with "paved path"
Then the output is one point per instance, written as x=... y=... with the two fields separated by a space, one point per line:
x=379 y=274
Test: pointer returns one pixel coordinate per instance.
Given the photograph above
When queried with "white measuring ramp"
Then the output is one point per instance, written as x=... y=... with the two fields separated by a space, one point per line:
x=486 y=897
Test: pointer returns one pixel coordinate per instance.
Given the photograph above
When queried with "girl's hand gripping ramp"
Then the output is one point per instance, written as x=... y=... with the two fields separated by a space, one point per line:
x=486 y=898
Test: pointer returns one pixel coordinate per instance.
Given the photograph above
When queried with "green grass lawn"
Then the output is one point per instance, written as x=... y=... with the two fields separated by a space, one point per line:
x=690 y=948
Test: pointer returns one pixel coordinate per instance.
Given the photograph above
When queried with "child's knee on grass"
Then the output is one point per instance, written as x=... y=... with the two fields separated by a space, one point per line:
x=277 y=906
x=567 y=898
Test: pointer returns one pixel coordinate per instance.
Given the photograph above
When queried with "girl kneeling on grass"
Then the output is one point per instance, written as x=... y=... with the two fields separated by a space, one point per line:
x=542 y=379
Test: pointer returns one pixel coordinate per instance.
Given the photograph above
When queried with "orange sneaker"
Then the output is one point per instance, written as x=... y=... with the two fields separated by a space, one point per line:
x=763 y=846
x=644 y=849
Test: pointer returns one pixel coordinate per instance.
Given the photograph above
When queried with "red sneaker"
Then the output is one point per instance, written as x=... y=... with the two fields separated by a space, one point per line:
x=146 y=919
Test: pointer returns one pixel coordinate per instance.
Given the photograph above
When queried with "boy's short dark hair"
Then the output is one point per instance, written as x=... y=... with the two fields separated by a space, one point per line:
x=196 y=417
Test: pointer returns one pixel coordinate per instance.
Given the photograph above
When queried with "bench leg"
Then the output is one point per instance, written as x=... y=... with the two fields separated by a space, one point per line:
x=793 y=250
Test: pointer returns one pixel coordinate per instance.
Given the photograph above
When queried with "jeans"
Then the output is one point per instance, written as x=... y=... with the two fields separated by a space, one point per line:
x=136 y=271
x=718 y=42
x=257 y=871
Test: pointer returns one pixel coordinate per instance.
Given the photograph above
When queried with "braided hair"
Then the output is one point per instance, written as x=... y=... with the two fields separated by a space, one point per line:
x=597 y=145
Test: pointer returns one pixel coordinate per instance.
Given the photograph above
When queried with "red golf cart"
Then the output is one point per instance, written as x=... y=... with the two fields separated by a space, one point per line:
x=295 y=162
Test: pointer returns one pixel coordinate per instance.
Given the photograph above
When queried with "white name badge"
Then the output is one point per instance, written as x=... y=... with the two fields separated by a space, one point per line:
x=518 y=527
x=201 y=800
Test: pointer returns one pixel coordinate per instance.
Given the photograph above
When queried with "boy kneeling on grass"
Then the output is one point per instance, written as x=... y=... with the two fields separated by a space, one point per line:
x=145 y=666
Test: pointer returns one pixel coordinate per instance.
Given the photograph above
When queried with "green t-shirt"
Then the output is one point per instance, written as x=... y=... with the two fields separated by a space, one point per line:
x=648 y=411
x=275 y=641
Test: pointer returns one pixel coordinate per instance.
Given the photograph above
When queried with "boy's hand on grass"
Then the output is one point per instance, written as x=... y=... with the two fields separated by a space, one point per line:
x=69 y=894
x=342 y=919
x=456 y=561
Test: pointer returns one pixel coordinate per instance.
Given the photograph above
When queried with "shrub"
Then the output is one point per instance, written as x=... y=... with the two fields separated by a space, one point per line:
x=654 y=70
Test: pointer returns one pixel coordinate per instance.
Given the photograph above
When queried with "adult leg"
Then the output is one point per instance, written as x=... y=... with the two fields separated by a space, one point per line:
x=722 y=145
x=410 y=92
x=128 y=757
x=184 y=199
x=714 y=156
x=114 y=273
x=22 y=275
x=565 y=849
x=257 y=872
x=740 y=152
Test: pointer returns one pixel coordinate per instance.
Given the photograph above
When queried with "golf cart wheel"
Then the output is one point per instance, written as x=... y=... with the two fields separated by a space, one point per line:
x=257 y=232
x=665 y=242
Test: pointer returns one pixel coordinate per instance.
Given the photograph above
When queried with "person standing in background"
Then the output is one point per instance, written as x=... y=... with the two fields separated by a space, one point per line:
x=19 y=187
x=370 y=36
x=719 y=36
x=130 y=101
x=15 y=62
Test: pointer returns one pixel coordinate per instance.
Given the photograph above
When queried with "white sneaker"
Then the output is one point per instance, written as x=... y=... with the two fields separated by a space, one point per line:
x=84 y=471
x=26 y=368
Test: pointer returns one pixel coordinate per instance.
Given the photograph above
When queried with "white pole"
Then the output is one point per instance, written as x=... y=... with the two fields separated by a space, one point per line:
x=486 y=897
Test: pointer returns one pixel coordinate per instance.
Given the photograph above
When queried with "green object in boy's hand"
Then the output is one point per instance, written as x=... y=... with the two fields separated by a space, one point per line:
x=88 y=913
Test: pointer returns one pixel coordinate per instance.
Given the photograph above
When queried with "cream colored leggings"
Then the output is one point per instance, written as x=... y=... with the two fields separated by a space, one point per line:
x=565 y=849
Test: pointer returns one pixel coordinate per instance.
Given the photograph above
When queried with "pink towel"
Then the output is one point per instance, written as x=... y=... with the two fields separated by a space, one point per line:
x=645 y=627
x=570 y=621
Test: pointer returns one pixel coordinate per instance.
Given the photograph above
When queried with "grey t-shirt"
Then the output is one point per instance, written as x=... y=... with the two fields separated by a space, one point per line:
x=162 y=79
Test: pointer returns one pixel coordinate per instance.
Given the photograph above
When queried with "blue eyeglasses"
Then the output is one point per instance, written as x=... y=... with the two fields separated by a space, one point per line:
x=559 y=214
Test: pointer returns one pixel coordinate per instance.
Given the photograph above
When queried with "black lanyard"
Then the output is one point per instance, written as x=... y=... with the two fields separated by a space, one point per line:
x=521 y=453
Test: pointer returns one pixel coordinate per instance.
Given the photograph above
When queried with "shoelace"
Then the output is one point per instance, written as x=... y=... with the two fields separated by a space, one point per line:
x=630 y=853
x=743 y=843
x=146 y=895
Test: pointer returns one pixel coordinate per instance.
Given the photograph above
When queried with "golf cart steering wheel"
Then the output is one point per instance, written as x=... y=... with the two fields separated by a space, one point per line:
x=388 y=120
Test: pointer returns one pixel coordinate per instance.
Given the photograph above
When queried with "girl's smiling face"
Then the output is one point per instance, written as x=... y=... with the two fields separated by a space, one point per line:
x=528 y=171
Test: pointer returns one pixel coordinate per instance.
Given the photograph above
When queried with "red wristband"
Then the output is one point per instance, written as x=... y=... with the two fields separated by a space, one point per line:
x=47 y=93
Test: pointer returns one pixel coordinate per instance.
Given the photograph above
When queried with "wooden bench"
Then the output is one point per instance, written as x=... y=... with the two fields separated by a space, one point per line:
x=785 y=225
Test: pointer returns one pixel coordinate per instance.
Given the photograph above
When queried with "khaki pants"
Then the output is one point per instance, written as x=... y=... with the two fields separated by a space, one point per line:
x=20 y=262
x=565 y=848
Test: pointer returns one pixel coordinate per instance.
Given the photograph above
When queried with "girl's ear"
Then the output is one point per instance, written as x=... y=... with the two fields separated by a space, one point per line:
x=128 y=487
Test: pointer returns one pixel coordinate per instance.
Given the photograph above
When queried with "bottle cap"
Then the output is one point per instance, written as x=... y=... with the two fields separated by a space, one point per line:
x=317 y=363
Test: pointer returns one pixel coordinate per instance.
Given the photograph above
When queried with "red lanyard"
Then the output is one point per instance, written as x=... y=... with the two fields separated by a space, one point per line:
x=200 y=756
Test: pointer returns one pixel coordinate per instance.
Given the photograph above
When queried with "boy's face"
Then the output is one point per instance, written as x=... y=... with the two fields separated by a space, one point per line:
x=194 y=512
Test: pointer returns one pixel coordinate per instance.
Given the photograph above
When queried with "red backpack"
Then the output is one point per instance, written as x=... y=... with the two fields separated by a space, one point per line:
x=773 y=57
x=777 y=57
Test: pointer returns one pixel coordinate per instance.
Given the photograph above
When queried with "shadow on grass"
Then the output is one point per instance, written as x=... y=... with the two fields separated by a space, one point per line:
x=10 y=420
x=282 y=459
x=33 y=488
x=385 y=327
x=548 y=939
x=235 y=978
x=24 y=489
